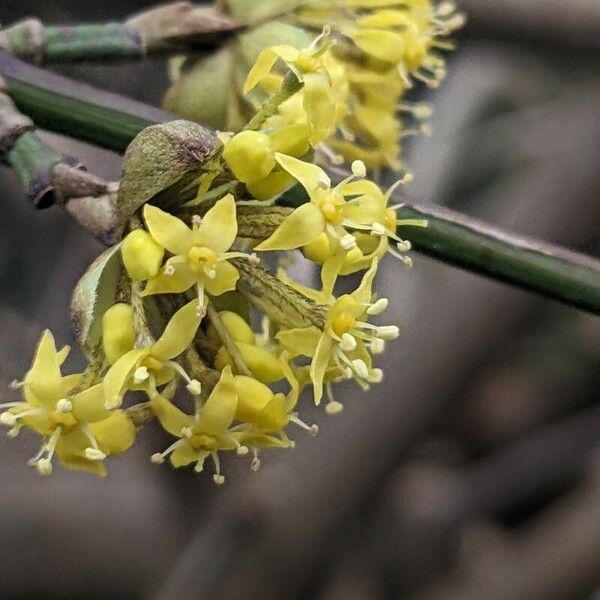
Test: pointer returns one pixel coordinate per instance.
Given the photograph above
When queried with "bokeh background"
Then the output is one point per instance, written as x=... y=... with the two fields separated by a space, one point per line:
x=471 y=473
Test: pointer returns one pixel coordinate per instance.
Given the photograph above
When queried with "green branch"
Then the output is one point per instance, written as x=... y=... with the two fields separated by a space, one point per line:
x=173 y=28
x=112 y=121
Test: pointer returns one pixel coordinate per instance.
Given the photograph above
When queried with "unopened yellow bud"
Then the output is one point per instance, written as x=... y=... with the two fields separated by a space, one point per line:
x=118 y=332
x=250 y=155
x=262 y=364
x=142 y=256
x=237 y=327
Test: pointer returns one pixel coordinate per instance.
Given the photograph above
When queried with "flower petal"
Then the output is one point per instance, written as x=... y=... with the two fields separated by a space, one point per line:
x=70 y=450
x=329 y=273
x=88 y=406
x=184 y=455
x=44 y=377
x=264 y=63
x=319 y=106
x=182 y=279
x=219 y=226
x=224 y=281
x=178 y=333
x=301 y=341
x=118 y=375
x=171 y=418
x=309 y=175
x=301 y=227
x=218 y=412
x=318 y=366
x=115 y=434
x=169 y=231
x=363 y=293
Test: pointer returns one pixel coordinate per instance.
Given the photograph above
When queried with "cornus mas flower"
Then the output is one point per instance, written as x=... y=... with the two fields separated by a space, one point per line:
x=150 y=367
x=73 y=420
x=200 y=254
x=323 y=214
x=205 y=433
x=317 y=93
x=347 y=339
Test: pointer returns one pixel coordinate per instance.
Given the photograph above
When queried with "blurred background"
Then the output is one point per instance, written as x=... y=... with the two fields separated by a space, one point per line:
x=471 y=473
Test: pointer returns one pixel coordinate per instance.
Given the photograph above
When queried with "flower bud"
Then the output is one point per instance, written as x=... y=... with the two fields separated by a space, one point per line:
x=262 y=364
x=249 y=155
x=237 y=327
x=142 y=256
x=258 y=405
x=118 y=332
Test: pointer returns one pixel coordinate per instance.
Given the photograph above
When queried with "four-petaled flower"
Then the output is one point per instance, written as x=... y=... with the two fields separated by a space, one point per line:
x=76 y=425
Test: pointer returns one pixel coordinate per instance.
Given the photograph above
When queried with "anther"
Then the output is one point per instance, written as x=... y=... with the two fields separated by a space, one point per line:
x=219 y=479
x=140 y=375
x=15 y=384
x=157 y=458
x=387 y=332
x=254 y=259
x=376 y=376
x=14 y=432
x=378 y=307
x=186 y=432
x=169 y=270
x=194 y=387
x=197 y=220
x=348 y=242
x=64 y=406
x=43 y=466
x=359 y=169
x=313 y=430
x=377 y=346
x=404 y=246
x=255 y=464
x=348 y=342
x=377 y=228
x=360 y=368
x=242 y=450
x=334 y=407
x=94 y=454
x=8 y=419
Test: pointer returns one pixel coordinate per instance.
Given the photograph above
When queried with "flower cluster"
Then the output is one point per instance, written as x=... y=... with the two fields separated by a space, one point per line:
x=219 y=346
x=356 y=76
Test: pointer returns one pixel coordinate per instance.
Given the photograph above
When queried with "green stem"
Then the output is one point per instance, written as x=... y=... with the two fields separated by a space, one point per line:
x=168 y=29
x=549 y=270
x=112 y=121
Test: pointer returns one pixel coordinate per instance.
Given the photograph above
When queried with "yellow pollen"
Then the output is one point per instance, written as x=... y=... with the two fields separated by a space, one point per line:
x=343 y=323
x=200 y=257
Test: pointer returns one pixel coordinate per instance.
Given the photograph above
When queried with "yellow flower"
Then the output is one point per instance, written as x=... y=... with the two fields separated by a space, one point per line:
x=323 y=214
x=249 y=155
x=318 y=99
x=347 y=339
x=203 y=434
x=75 y=424
x=118 y=331
x=200 y=255
x=147 y=368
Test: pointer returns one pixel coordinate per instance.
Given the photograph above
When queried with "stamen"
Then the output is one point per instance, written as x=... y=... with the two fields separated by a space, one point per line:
x=359 y=169
x=378 y=307
x=8 y=419
x=186 y=432
x=348 y=342
x=377 y=346
x=334 y=408
x=11 y=404
x=376 y=376
x=194 y=387
x=377 y=229
x=348 y=242
x=14 y=432
x=169 y=270
x=217 y=477
x=44 y=466
x=140 y=375
x=360 y=368
x=242 y=450
x=157 y=458
x=64 y=406
x=387 y=332
x=94 y=454
x=404 y=246
x=196 y=220
x=201 y=310
x=16 y=384
x=255 y=464
x=445 y=9
x=313 y=429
